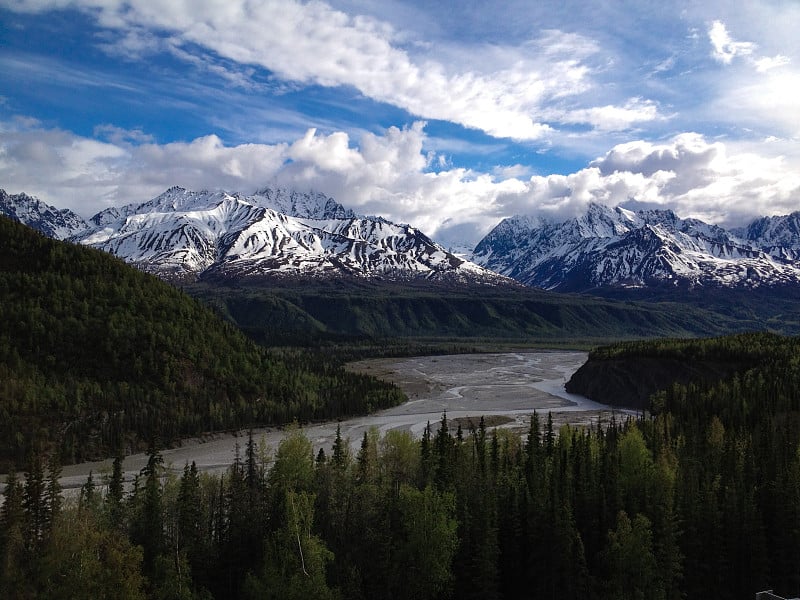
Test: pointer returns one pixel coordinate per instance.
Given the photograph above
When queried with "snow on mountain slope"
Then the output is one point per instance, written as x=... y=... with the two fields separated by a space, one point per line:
x=185 y=234
x=54 y=223
x=312 y=205
x=618 y=247
x=777 y=236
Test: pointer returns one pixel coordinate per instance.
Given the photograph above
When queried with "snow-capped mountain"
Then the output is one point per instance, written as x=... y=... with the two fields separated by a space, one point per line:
x=619 y=247
x=52 y=222
x=777 y=236
x=185 y=235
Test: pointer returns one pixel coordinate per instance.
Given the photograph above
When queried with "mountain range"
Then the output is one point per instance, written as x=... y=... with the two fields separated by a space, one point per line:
x=53 y=222
x=184 y=235
x=620 y=248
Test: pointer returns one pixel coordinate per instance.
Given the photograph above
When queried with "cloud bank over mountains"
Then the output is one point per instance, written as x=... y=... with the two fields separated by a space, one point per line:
x=446 y=119
x=391 y=175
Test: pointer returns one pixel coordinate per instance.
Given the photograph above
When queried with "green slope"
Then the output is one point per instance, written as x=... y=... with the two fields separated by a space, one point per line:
x=629 y=374
x=312 y=312
x=95 y=355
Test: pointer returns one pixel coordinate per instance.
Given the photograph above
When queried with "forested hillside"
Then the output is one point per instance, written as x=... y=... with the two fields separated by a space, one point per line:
x=319 y=311
x=96 y=356
x=629 y=373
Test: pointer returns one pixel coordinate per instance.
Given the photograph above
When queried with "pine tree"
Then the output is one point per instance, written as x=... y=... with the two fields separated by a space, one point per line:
x=88 y=496
x=53 y=492
x=34 y=502
x=443 y=445
x=12 y=539
x=340 y=451
x=426 y=458
x=148 y=530
x=367 y=458
x=549 y=435
x=190 y=519
x=113 y=499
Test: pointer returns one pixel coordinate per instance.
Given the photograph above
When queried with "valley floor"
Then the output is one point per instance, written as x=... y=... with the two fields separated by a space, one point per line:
x=505 y=387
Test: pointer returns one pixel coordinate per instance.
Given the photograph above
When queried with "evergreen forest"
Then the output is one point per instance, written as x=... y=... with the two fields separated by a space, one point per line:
x=700 y=498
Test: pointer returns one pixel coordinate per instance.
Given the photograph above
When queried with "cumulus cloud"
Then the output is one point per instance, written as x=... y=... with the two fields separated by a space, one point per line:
x=615 y=118
x=392 y=175
x=724 y=48
x=385 y=175
x=88 y=175
x=503 y=94
x=719 y=183
x=724 y=184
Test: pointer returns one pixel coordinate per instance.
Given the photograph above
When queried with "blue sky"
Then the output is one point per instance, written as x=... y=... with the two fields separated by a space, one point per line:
x=449 y=116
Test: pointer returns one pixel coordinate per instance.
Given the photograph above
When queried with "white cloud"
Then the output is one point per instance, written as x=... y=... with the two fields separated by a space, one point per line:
x=719 y=183
x=504 y=92
x=392 y=175
x=88 y=175
x=507 y=172
x=756 y=97
x=384 y=175
x=724 y=47
x=615 y=118
x=120 y=136
x=768 y=63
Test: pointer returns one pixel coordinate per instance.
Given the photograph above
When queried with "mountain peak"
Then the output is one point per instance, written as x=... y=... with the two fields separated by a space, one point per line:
x=309 y=205
x=651 y=247
x=774 y=231
x=184 y=234
x=52 y=222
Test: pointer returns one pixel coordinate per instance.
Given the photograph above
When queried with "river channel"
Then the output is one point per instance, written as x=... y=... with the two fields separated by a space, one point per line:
x=505 y=387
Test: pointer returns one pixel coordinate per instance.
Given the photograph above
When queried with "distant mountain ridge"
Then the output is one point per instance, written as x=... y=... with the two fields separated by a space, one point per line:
x=617 y=247
x=188 y=235
x=55 y=223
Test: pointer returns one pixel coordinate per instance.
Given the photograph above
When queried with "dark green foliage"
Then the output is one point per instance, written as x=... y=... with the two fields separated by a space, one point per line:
x=629 y=373
x=113 y=499
x=12 y=537
x=700 y=500
x=96 y=356
x=331 y=312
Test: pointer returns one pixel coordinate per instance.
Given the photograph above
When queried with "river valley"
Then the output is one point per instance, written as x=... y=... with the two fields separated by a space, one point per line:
x=505 y=387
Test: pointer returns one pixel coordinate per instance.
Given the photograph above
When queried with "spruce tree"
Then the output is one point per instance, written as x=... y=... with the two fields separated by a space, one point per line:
x=113 y=499
x=35 y=505
x=148 y=529
x=88 y=495
x=12 y=539
x=53 y=492
x=340 y=451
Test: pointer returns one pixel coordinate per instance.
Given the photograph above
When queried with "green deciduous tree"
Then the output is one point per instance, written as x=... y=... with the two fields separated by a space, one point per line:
x=632 y=567
x=425 y=543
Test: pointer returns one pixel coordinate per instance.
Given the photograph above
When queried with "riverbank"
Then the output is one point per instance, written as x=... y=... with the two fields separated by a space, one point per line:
x=510 y=384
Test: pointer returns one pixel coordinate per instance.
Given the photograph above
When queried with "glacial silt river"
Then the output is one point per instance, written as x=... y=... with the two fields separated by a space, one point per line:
x=507 y=386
